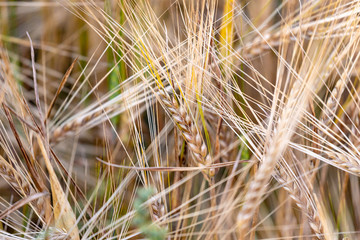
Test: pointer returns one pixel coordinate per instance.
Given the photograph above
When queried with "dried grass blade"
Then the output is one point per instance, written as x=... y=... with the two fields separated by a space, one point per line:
x=29 y=164
x=61 y=86
x=37 y=99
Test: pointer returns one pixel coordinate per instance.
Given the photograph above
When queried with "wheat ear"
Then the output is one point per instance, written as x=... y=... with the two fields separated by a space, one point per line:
x=331 y=104
x=337 y=159
x=158 y=209
x=302 y=201
x=341 y=161
x=281 y=136
x=299 y=196
x=20 y=184
x=189 y=132
x=268 y=41
x=75 y=125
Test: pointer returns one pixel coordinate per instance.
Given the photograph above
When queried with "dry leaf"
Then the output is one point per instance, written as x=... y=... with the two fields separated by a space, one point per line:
x=64 y=216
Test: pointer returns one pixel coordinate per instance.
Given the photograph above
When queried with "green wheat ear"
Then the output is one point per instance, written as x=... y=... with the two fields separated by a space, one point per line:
x=142 y=219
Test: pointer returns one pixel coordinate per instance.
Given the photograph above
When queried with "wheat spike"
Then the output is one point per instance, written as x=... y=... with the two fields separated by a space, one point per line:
x=281 y=136
x=189 y=132
x=21 y=185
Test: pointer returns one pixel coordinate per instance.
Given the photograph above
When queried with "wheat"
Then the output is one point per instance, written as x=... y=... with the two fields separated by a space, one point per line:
x=189 y=132
x=301 y=197
x=258 y=90
x=281 y=136
x=75 y=125
x=21 y=185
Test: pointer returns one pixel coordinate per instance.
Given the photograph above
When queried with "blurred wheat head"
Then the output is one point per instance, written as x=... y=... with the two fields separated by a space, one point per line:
x=179 y=119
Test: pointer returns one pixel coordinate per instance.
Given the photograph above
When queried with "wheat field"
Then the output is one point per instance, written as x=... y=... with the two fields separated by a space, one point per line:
x=179 y=119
